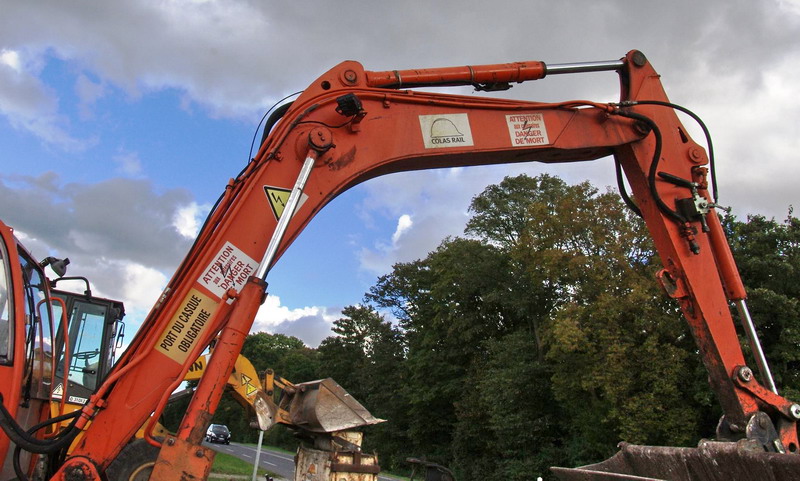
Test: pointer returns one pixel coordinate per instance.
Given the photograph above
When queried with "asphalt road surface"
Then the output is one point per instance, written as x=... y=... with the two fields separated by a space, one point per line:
x=274 y=461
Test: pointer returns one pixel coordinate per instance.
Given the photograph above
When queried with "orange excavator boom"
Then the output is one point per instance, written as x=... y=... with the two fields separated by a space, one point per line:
x=351 y=125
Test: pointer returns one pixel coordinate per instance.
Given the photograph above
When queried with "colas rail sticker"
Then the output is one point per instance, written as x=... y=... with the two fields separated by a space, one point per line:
x=445 y=130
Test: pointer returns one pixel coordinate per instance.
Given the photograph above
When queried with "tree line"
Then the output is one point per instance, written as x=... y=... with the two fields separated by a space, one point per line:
x=537 y=338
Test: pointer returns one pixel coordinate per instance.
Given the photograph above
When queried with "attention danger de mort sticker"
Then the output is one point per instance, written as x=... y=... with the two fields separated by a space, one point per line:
x=230 y=269
x=527 y=130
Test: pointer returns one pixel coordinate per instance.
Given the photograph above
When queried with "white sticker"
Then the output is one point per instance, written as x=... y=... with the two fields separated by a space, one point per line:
x=527 y=130
x=77 y=400
x=229 y=269
x=58 y=392
x=445 y=130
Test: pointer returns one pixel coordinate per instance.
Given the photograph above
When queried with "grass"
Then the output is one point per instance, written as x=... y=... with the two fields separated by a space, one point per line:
x=226 y=464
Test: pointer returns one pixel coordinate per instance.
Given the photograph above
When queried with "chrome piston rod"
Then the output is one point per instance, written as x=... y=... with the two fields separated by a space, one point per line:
x=286 y=216
x=755 y=344
x=602 y=66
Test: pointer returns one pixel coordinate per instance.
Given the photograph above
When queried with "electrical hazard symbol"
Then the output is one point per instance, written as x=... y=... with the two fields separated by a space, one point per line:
x=278 y=197
x=248 y=386
x=58 y=392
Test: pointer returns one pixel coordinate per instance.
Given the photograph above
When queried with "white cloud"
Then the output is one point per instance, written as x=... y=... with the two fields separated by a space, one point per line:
x=128 y=163
x=30 y=105
x=11 y=59
x=189 y=218
x=89 y=93
x=310 y=324
x=143 y=285
x=404 y=223
x=734 y=62
x=272 y=313
x=790 y=6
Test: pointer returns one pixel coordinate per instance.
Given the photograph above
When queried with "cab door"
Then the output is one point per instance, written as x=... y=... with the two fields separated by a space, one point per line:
x=26 y=341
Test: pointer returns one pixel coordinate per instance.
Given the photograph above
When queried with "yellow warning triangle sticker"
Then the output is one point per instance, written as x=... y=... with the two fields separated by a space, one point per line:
x=250 y=389
x=245 y=379
x=278 y=197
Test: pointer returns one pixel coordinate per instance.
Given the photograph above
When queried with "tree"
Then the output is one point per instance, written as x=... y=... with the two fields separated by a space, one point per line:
x=266 y=351
x=448 y=305
x=525 y=341
x=366 y=358
x=768 y=256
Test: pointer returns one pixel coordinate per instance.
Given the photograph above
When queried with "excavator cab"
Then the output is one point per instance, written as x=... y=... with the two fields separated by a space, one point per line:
x=89 y=344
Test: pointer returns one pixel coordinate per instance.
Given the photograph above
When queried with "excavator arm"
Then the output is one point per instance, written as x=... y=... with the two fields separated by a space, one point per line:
x=351 y=125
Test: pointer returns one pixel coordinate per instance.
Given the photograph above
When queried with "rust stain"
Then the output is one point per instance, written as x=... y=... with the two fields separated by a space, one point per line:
x=343 y=160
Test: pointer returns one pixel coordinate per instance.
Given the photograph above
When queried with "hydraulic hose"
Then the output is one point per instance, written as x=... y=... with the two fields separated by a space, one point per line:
x=21 y=476
x=706 y=133
x=29 y=443
x=651 y=175
x=624 y=193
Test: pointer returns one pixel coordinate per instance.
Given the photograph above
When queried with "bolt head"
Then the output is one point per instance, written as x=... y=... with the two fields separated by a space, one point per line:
x=745 y=374
x=199 y=453
x=639 y=59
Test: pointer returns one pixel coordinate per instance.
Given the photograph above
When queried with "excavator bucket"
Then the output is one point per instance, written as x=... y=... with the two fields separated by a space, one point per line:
x=710 y=461
x=325 y=407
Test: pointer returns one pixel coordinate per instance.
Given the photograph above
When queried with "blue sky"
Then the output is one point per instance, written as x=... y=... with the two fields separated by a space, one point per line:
x=121 y=122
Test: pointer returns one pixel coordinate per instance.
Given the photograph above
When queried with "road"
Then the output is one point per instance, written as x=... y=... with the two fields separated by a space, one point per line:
x=275 y=461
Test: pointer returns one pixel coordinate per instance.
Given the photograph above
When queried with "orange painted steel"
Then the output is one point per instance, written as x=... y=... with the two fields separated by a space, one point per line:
x=467 y=75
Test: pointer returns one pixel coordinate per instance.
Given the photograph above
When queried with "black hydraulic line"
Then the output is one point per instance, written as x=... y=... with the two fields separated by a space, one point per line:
x=711 y=159
x=651 y=175
x=624 y=193
x=706 y=133
x=273 y=119
x=30 y=443
x=21 y=476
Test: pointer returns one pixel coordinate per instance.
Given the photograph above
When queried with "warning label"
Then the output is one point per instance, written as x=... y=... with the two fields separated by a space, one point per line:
x=249 y=388
x=278 y=197
x=445 y=130
x=230 y=269
x=187 y=326
x=527 y=130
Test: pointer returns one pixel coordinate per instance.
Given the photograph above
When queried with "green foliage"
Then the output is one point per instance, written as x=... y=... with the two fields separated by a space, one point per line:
x=768 y=256
x=231 y=465
x=365 y=357
x=538 y=339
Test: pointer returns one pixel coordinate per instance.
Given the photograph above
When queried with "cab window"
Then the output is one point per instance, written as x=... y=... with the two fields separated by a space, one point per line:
x=86 y=324
x=39 y=331
x=6 y=309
